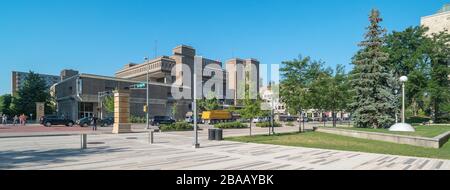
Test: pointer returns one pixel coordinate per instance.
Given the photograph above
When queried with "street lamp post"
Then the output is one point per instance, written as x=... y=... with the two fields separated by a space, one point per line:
x=403 y=126
x=194 y=102
x=403 y=79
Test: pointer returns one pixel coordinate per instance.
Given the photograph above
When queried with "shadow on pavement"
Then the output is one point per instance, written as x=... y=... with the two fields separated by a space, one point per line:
x=13 y=159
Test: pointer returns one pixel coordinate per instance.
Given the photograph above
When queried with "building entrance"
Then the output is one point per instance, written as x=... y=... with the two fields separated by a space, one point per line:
x=85 y=109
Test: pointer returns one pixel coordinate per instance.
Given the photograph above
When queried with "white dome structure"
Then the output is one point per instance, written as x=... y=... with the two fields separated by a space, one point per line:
x=402 y=127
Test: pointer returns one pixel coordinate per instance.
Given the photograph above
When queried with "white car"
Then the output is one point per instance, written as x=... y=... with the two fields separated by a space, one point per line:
x=260 y=119
x=256 y=120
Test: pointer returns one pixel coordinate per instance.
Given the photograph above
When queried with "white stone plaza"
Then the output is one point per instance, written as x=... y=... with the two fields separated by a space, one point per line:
x=174 y=151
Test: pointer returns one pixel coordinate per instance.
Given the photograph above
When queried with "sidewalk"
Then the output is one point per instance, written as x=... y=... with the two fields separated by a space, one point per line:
x=174 y=151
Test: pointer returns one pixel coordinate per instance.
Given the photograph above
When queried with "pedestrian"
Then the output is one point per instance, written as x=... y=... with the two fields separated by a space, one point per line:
x=22 y=119
x=4 y=119
x=25 y=119
x=15 y=120
x=94 y=123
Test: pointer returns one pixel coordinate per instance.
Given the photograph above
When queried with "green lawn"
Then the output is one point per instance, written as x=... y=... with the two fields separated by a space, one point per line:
x=422 y=131
x=337 y=142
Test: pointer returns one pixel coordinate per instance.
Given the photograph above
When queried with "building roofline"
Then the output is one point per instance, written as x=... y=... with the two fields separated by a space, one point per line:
x=35 y=73
x=93 y=76
x=436 y=14
x=185 y=46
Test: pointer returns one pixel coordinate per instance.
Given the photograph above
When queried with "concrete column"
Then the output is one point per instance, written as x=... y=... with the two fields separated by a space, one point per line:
x=121 y=112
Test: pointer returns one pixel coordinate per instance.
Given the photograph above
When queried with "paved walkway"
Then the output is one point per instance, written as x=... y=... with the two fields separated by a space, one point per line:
x=174 y=151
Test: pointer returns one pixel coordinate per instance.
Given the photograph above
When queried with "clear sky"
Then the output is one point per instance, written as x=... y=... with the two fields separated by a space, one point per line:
x=100 y=36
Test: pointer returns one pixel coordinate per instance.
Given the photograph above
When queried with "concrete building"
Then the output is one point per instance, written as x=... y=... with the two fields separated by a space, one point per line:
x=78 y=94
x=438 y=22
x=237 y=70
x=18 y=79
x=159 y=70
x=267 y=96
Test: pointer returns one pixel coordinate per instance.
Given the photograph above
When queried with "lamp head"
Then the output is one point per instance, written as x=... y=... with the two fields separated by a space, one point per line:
x=403 y=78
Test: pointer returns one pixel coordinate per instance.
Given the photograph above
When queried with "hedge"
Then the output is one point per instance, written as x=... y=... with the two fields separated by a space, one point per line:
x=417 y=119
x=136 y=119
x=267 y=124
x=230 y=125
x=178 y=126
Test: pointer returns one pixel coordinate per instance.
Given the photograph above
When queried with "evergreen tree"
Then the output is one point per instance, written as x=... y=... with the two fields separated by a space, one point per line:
x=33 y=90
x=372 y=81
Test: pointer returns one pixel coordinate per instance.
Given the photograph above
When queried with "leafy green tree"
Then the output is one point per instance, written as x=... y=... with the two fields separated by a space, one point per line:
x=209 y=103
x=5 y=103
x=294 y=86
x=372 y=80
x=331 y=91
x=319 y=87
x=251 y=110
x=408 y=56
x=108 y=103
x=174 y=110
x=33 y=90
x=251 y=107
x=439 y=84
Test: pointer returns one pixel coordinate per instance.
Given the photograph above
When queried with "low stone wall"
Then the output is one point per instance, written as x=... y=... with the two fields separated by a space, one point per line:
x=435 y=142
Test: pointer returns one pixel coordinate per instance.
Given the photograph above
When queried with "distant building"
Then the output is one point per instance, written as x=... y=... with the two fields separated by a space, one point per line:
x=18 y=79
x=438 y=22
x=267 y=96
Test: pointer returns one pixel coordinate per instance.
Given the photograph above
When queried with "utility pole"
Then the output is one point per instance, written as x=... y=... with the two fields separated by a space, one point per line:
x=147 y=103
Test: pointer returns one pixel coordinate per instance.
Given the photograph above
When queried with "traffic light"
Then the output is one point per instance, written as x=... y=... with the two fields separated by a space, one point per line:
x=145 y=108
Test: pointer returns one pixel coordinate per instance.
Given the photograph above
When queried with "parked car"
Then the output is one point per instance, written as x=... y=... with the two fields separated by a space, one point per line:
x=304 y=119
x=107 y=121
x=157 y=120
x=260 y=119
x=48 y=121
x=84 y=122
x=190 y=119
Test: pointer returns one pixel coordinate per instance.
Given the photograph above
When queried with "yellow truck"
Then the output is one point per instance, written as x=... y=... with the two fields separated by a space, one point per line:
x=215 y=116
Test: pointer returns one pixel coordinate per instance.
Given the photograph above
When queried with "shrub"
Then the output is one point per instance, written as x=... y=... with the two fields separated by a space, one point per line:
x=178 y=126
x=267 y=124
x=230 y=125
x=136 y=119
x=417 y=119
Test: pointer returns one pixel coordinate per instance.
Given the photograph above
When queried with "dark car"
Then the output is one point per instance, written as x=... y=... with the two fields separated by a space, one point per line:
x=107 y=121
x=84 y=122
x=157 y=120
x=48 y=121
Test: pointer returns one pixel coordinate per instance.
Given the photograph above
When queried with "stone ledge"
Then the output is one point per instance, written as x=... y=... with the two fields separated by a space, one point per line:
x=435 y=142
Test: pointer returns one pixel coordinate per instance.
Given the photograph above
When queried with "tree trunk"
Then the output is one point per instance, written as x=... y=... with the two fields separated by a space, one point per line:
x=334 y=118
x=303 y=121
x=299 y=123
x=251 y=120
x=323 y=119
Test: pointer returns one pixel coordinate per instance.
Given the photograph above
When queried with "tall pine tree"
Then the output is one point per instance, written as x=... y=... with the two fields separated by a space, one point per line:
x=373 y=101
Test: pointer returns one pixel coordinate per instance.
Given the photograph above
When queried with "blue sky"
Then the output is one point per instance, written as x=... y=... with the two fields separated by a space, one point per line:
x=100 y=36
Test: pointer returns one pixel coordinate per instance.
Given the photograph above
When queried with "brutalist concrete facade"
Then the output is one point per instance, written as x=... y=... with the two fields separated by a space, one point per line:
x=77 y=97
